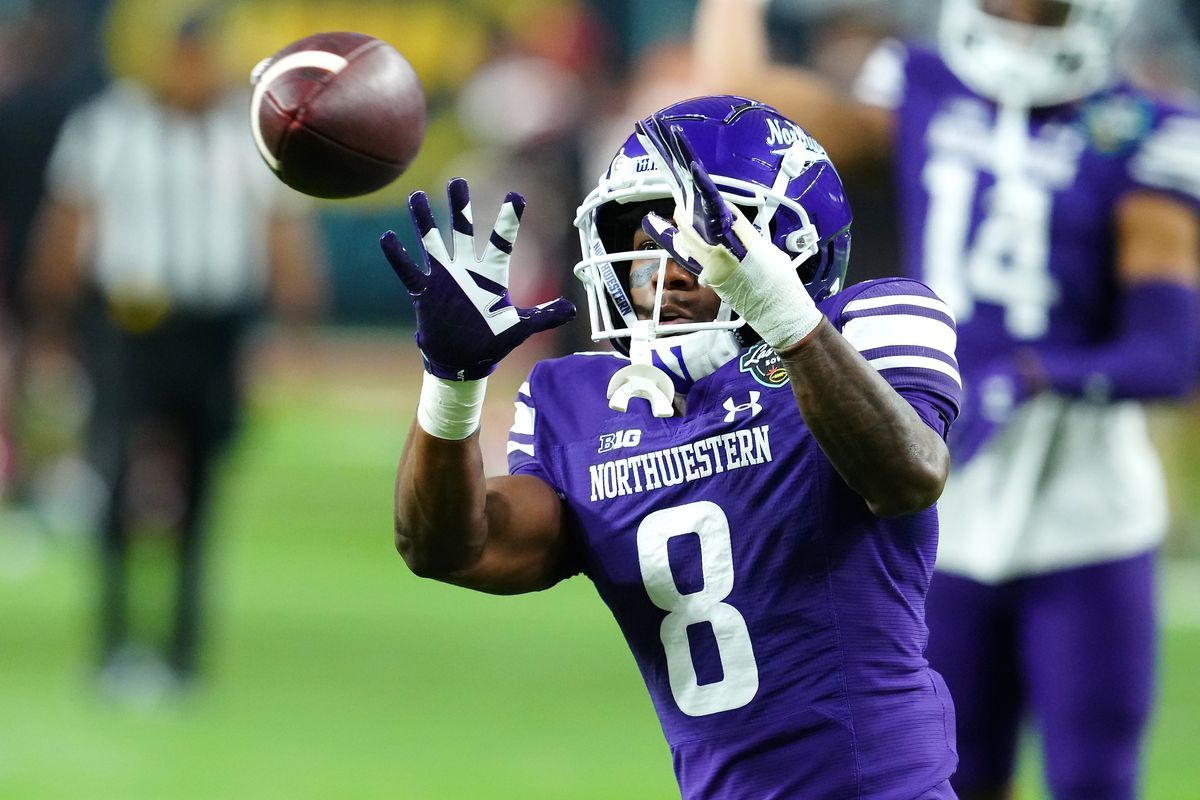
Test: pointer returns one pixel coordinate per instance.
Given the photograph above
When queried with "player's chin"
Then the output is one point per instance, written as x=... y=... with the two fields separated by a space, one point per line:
x=665 y=321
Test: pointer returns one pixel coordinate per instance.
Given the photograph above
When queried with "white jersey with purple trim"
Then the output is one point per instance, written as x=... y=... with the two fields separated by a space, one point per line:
x=1012 y=225
x=778 y=624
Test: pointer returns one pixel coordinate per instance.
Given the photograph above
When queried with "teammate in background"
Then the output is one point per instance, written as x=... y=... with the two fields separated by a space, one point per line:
x=766 y=552
x=161 y=237
x=1053 y=207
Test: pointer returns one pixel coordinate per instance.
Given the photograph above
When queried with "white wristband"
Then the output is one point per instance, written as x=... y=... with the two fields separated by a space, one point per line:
x=450 y=409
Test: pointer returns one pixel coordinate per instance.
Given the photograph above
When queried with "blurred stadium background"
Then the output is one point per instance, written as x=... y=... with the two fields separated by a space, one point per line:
x=329 y=670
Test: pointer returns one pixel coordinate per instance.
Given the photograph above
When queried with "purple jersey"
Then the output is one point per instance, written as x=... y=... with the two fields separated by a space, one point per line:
x=1009 y=217
x=1021 y=247
x=778 y=624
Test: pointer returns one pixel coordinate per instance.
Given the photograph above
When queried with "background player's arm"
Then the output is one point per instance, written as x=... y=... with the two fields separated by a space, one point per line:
x=1158 y=240
x=871 y=435
x=297 y=283
x=732 y=56
x=502 y=535
x=55 y=266
x=1155 y=345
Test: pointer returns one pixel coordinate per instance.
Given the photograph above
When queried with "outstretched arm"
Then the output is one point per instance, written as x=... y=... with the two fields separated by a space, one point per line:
x=502 y=535
x=873 y=437
x=732 y=56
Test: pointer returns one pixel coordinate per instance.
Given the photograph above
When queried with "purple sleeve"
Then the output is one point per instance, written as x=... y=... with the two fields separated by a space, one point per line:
x=930 y=408
x=522 y=457
x=908 y=334
x=1168 y=159
x=1154 y=354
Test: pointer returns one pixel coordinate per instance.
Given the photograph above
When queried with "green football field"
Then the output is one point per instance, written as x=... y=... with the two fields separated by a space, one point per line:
x=333 y=673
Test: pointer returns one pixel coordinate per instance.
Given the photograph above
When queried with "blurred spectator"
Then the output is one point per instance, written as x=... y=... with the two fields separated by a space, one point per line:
x=160 y=236
x=48 y=64
x=1054 y=206
x=525 y=111
x=833 y=38
x=1162 y=51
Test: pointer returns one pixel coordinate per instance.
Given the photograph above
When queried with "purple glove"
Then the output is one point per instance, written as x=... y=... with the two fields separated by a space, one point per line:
x=695 y=195
x=466 y=321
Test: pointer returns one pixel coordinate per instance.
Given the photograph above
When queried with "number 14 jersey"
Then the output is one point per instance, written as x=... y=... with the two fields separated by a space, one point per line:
x=778 y=624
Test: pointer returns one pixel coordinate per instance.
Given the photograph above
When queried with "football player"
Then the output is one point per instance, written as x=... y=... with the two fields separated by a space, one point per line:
x=1053 y=206
x=748 y=480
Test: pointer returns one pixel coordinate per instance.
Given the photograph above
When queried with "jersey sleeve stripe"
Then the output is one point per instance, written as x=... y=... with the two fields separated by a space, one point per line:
x=914 y=311
x=1170 y=158
x=909 y=350
x=883 y=301
x=523 y=419
x=916 y=362
x=520 y=435
x=893 y=330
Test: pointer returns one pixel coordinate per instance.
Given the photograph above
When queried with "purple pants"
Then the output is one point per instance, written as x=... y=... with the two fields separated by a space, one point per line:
x=1073 y=651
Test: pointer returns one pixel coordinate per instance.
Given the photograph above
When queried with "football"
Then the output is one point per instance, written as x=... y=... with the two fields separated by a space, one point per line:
x=337 y=114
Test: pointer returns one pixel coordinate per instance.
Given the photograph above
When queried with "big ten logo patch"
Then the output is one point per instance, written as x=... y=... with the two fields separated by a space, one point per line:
x=619 y=439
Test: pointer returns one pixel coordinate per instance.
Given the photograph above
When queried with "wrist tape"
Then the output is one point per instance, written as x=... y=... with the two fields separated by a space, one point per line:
x=763 y=288
x=450 y=409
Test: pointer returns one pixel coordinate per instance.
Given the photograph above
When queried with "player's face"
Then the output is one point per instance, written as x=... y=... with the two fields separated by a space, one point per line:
x=684 y=299
x=1046 y=13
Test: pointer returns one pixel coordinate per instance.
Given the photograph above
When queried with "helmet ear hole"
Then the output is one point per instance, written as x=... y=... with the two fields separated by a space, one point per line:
x=803 y=240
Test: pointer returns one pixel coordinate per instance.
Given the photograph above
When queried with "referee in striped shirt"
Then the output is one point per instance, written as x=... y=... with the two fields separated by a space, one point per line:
x=162 y=235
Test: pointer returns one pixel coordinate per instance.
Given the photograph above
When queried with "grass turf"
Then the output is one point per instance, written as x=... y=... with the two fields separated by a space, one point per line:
x=332 y=672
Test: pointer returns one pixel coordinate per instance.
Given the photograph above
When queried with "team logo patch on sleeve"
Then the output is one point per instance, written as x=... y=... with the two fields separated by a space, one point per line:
x=765 y=365
x=1114 y=125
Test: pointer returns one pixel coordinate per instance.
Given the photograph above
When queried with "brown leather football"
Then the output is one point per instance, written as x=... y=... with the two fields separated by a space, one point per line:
x=337 y=114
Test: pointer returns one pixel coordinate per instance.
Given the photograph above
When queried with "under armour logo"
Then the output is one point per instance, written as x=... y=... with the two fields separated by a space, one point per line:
x=753 y=407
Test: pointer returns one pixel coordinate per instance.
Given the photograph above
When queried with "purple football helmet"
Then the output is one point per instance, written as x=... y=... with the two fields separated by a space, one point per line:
x=761 y=161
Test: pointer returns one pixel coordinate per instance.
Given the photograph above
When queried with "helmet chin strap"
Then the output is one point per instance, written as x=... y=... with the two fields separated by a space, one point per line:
x=659 y=369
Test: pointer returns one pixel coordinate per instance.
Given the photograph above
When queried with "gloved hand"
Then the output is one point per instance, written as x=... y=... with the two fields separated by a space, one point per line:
x=715 y=241
x=466 y=322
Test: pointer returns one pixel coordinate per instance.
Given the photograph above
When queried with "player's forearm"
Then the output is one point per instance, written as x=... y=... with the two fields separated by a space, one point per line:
x=440 y=521
x=873 y=437
x=1154 y=355
x=55 y=268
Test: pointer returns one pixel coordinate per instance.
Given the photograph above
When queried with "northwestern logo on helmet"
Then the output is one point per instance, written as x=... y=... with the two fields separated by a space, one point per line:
x=783 y=133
